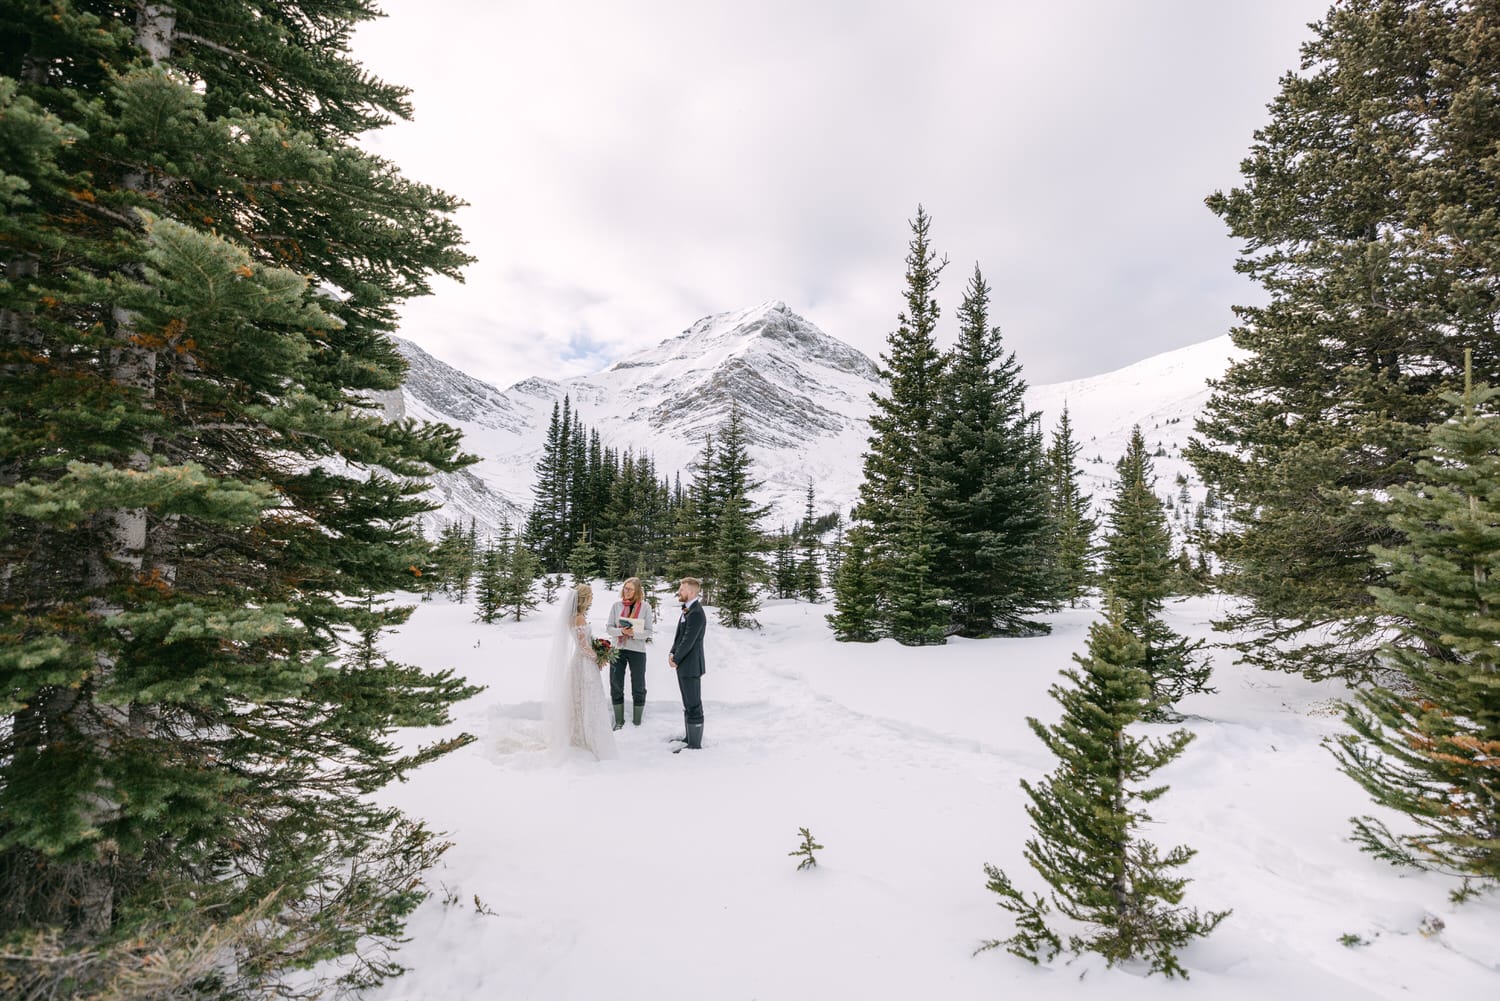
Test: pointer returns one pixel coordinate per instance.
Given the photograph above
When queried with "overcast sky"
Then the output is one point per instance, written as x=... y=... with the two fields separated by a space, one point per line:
x=633 y=166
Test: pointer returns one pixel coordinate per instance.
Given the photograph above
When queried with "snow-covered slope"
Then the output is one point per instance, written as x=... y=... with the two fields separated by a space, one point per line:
x=1163 y=394
x=805 y=397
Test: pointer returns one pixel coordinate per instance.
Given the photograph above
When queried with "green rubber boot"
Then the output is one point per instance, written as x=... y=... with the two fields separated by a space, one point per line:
x=636 y=710
x=619 y=716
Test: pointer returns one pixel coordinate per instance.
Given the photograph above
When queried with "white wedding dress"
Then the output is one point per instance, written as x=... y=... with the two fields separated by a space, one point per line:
x=577 y=708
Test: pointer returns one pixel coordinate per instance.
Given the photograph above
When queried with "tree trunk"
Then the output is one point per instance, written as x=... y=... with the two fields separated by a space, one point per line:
x=1121 y=886
x=132 y=364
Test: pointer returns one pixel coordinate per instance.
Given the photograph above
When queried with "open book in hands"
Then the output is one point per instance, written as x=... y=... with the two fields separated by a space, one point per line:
x=634 y=625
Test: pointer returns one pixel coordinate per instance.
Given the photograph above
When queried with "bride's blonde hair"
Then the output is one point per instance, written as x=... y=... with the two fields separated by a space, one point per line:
x=585 y=598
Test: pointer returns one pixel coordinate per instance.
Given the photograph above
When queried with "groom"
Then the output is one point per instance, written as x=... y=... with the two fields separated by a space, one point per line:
x=687 y=658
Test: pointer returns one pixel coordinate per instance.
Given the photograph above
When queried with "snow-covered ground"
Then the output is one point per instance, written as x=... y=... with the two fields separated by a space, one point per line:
x=662 y=876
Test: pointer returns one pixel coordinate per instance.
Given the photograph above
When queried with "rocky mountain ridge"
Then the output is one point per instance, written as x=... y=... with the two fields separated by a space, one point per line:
x=805 y=399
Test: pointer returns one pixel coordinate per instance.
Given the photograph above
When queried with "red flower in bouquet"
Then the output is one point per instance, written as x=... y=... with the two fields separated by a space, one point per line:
x=604 y=651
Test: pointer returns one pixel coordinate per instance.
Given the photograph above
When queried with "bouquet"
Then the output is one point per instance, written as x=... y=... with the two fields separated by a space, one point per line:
x=604 y=651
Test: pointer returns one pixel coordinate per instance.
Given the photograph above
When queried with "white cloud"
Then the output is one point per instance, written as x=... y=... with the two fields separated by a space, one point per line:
x=631 y=167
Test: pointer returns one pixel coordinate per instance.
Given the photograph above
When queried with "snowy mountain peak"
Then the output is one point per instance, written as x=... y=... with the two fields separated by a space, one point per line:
x=769 y=328
x=803 y=396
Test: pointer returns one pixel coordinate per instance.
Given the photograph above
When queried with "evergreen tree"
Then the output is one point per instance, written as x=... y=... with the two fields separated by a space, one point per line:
x=1186 y=580
x=518 y=574
x=855 y=614
x=1086 y=816
x=809 y=575
x=737 y=568
x=1139 y=574
x=834 y=554
x=1367 y=216
x=203 y=506
x=783 y=569
x=583 y=561
x=916 y=610
x=546 y=525
x=695 y=525
x=1072 y=522
x=551 y=584
x=489 y=579
x=618 y=537
x=579 y=523
x=638 y=519
x=912 y=367
x=626 y=536
x=988 y=484
x=600 y=475
x=1203 y=572
x=454 y=561
x=660 y=519
x=1429 y=747
x=444 y=555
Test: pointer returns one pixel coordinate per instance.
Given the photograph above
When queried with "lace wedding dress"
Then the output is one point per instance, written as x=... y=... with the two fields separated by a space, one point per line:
x=577 y=708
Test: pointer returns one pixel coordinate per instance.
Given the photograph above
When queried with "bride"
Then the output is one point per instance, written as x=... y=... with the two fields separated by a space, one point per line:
x=577 y=710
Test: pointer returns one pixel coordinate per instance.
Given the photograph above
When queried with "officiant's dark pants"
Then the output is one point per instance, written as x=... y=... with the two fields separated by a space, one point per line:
x=692 y=697
x=636 y=661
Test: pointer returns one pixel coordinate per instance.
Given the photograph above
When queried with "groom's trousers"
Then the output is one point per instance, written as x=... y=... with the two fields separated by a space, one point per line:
x=692 y=698
x=636 y=661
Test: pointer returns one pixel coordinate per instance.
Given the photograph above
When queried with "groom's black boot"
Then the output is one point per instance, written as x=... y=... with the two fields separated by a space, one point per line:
x=694 y=739
x=619 y=715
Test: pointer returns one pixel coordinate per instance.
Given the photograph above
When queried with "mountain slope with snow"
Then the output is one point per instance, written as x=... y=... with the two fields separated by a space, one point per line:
x=1163 y=394
x=805 y=399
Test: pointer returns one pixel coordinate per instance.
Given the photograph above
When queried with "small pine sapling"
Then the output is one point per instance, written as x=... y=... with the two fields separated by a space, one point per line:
x=806 y=849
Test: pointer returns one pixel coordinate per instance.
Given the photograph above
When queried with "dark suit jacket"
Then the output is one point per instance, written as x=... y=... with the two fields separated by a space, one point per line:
x=687 y=644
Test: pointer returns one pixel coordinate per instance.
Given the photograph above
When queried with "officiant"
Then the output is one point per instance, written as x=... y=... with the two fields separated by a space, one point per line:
x=629 y=629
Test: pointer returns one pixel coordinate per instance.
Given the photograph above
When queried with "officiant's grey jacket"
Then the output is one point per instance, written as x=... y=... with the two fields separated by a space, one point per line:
x=637 y=642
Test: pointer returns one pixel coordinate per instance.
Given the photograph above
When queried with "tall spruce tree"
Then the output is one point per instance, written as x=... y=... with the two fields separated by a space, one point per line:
x=1086 y=816
x=489 y=578
x=809 y=573
x=833 y=555
x=518 y=576
x=653 y=523
x=546 y=525
x=912 y=367
x=695 y=525
x=783 y=566
x=579 y=523
x=201 y=500
x=987 y=484
x=738 y=569
x=617 y=530
x=1073 y=524
x=1429 y=747
x=855 y=617
x=1139 y=574
x=1367 y=216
